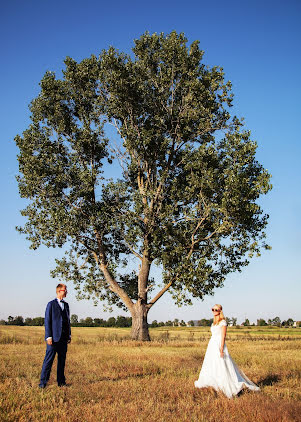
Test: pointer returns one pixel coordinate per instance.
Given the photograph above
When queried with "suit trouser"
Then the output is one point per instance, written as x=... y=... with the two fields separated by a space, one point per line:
x=60 y=348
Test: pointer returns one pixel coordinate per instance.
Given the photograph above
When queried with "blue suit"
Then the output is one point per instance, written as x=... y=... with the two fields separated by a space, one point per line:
x=54 y=320
x=57 y=326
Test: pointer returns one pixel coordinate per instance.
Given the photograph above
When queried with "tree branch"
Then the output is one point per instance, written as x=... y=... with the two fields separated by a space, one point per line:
x=112 y=283
x=133 y=251
x=161 y=293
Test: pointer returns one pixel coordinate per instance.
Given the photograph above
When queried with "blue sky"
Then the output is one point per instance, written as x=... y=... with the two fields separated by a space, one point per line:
x=258 y=45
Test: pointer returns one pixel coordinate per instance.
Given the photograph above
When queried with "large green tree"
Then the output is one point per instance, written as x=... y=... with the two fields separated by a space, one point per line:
x=187 y=196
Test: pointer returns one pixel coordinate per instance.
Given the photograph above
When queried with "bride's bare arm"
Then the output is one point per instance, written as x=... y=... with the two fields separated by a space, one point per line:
x=223 y=334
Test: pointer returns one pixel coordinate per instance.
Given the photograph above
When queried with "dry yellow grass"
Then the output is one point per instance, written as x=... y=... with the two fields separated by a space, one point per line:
x=114 y=379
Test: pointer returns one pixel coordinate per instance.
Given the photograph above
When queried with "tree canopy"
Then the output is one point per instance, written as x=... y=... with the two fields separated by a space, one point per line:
x=187 y=196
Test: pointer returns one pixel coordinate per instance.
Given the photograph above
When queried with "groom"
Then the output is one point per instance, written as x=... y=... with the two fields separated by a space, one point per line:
x=57 y=336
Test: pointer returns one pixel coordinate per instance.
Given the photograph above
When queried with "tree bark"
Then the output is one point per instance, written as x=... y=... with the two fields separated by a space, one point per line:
x=140 y=308
x=139 y=322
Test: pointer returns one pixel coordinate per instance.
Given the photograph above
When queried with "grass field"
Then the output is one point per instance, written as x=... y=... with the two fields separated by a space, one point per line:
x=112 y=378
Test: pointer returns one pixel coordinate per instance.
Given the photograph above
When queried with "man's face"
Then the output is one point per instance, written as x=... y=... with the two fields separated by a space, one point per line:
x=62 y=292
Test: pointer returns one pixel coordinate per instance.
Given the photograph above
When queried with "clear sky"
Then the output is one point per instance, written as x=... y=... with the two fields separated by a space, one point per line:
x=256 y=42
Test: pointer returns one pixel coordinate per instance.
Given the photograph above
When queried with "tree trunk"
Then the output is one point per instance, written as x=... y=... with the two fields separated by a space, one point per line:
x=139 y=322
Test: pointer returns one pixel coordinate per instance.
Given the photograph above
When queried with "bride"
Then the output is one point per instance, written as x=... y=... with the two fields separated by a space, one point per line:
x=219 y=370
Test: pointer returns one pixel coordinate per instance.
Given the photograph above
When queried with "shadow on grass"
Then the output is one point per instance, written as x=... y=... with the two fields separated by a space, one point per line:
x=269 y=380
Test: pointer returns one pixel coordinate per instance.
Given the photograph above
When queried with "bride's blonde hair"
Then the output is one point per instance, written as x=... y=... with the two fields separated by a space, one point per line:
x=220 y=316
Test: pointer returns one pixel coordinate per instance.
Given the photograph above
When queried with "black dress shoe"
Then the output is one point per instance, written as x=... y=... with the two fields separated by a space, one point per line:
x=42 y=385
x=62 y=384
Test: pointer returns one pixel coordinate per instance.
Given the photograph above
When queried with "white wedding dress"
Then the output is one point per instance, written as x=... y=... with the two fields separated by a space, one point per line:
x=221 y=373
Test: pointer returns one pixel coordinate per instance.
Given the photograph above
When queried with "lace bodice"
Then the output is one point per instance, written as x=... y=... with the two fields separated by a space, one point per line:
x=216 y=330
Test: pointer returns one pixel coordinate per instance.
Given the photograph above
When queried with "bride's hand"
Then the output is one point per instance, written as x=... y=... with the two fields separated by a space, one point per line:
x=222 y=353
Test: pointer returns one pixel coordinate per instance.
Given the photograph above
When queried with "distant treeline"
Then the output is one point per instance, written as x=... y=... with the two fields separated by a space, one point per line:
x=122 y=321
x=119 y=321
x=19 y=320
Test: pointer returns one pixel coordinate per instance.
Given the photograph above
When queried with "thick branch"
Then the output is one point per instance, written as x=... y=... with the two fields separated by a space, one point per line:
x=161 y=293
x=133 y=251
x=193 y=241
x=113 y=285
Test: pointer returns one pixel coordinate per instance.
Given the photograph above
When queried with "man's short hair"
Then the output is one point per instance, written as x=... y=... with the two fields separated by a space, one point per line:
x=59 y=286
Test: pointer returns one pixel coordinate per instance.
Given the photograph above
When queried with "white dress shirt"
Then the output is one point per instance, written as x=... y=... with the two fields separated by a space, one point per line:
x=61 y=303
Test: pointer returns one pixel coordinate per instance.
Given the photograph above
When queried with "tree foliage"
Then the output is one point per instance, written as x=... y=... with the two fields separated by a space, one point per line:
x=187 y=196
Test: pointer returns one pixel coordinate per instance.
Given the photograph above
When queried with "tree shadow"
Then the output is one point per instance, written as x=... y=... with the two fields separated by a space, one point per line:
x=269 y=380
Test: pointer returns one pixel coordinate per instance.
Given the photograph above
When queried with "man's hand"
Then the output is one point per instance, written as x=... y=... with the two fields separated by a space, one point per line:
x=69 y=341
x=49 y=341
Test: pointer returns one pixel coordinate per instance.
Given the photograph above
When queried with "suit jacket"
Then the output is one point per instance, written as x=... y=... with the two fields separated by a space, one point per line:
x=54 y=320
